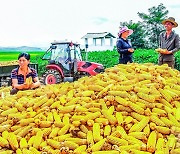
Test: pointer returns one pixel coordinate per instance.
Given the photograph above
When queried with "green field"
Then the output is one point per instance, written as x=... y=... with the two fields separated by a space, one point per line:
x=107 y=58
x=13 y=55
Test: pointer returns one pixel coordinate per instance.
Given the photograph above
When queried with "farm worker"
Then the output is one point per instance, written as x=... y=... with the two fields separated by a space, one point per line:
x=24 y=77
x=124 y=46
x=168 y=40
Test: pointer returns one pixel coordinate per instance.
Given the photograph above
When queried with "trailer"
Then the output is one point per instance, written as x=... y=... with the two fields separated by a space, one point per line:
x=5 y=73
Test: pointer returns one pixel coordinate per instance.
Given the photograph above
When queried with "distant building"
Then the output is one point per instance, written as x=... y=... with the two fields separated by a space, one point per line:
x=99 y=41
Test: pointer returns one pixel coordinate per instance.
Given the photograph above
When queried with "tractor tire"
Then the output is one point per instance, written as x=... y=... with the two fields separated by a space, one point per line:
x=52 y=77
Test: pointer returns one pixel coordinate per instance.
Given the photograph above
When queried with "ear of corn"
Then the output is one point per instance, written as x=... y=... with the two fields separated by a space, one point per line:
x=13 y=141
x=98 y=145
x=29 y=80
x=151 y=143
x=160 y=144
x=116 y=140
x=23 y=143
x=80 y=149
x=171 y=142
x=90 y=139
x=107 y=130
x=4 y=143
x=72 y=145
x=96 y=132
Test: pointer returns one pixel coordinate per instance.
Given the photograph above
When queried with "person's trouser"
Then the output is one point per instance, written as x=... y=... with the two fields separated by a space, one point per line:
x=125 y=60
x=170 y=63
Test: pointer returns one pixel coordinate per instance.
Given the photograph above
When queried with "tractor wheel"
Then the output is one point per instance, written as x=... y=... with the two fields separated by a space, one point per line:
x=52 y=77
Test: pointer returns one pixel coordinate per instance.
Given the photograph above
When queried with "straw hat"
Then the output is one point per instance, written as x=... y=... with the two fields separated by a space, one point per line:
x=172 y=20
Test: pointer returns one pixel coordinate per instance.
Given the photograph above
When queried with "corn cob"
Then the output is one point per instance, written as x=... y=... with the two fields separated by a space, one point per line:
x=166 y=95
x=34 y=150
x=173 y=119
x=129 y=147
x=116 y=141
x=140 y=125
x=80 y=149
x=110 y=117
x=24 y=131
x=4 y=143
x=107 y=130
x=146 y=130
x=13 y=141
x=83 y=128
x=78 y=141
x=103 y=121
x=135 y=151
x=54 y=132
x=91 y=116
x=98 y=145
x=23 y=143
x=66 y=109
x=31 y=141
x=5 y=134
x=137 y=116
x=7 y=112
x=136 y=108
x=71 y=145
x=54 y=144
x=90 y=140
x=81 y=135
x=96 y=132
x=38 y=139
x=63 y=130
x=138 y=135
x=119 y=118
x=151 y=143
x=149 y=98
x=166 y=121
x=156 y=120
x=171 y=142
x=121 y=101
x=160 y=144
x=62 y=138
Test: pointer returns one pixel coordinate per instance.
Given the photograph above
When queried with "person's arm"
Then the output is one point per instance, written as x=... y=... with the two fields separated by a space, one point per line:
x=121 y=50
x=18 y=86
x=176 y=42
x=119 y=47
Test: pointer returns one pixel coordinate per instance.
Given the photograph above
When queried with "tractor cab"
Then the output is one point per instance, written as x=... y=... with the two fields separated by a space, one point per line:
x=64 y=54
x=65 y=63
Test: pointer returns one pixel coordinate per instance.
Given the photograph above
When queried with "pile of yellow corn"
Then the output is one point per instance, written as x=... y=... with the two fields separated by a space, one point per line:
x=8 y=63
x=133 y=108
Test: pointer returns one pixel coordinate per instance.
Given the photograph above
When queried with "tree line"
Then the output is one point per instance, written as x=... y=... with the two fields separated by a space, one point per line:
x=146 y=32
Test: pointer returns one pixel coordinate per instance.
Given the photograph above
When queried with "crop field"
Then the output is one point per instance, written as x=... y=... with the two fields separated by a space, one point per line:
x=107 y=58
x=12 y=55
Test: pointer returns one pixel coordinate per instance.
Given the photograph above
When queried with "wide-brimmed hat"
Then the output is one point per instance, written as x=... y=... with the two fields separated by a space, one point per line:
x=172 y=20
x=124 y=29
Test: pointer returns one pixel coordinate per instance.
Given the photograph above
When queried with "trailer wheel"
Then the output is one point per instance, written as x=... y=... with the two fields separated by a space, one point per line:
x=52 y=77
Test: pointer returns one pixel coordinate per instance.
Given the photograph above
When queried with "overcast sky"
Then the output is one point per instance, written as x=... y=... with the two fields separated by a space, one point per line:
x=40 y=22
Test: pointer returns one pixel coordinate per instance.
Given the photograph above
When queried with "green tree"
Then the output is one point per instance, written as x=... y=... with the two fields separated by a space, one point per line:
x=137 y=38
x=152 y=24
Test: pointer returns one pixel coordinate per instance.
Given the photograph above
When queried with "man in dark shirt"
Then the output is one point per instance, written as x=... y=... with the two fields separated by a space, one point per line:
x=168 y=40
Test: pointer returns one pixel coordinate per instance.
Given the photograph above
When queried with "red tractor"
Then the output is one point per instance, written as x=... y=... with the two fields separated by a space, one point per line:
x=65 y=63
